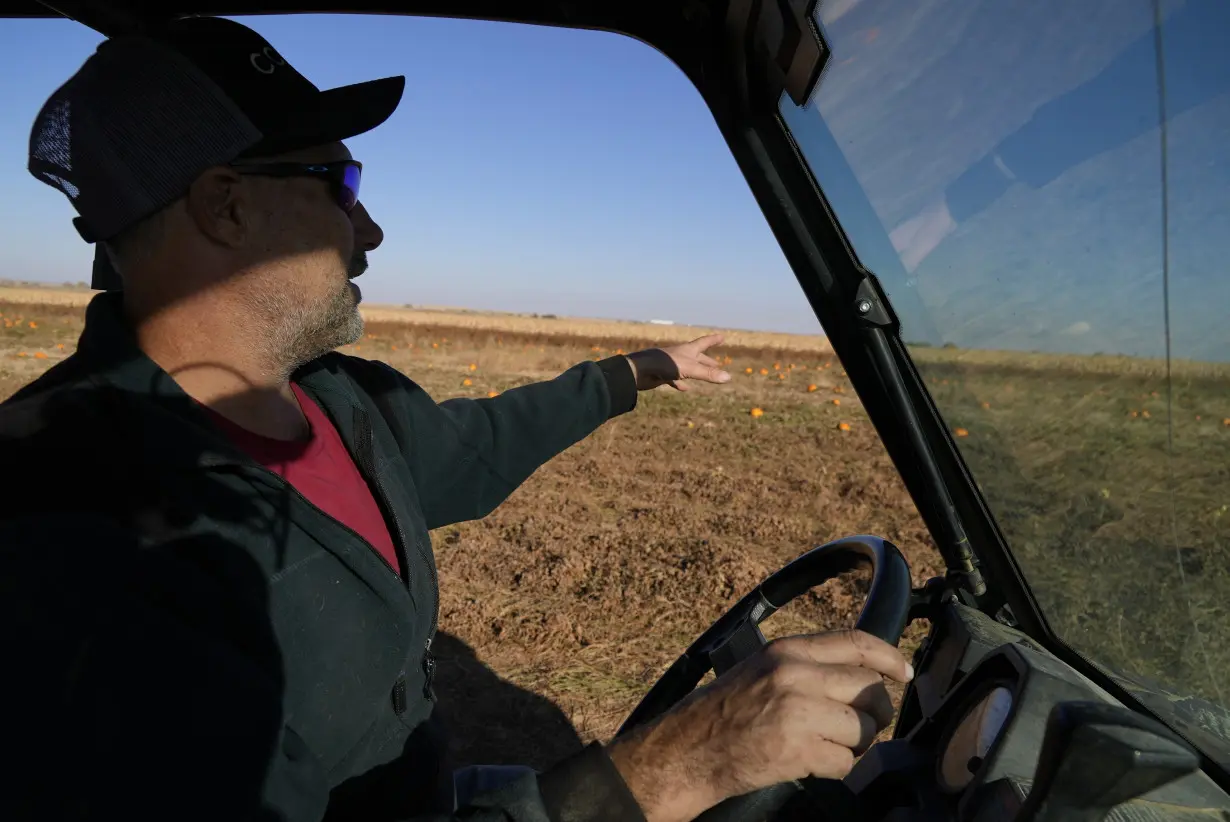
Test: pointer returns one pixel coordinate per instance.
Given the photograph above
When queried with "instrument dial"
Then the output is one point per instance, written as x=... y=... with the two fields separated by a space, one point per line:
x=975 y=735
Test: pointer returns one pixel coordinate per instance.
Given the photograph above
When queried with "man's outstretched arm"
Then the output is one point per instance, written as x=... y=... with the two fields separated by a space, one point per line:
x=468 y=455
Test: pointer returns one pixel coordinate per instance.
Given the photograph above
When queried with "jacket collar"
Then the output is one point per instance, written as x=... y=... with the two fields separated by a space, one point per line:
x=170 y=427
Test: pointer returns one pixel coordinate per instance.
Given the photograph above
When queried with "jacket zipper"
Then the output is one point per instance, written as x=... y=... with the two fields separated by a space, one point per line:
x=364 y=449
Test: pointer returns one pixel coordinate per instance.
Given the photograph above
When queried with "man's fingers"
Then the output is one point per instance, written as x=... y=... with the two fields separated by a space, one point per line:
x=705 y=359
x=706 y=342
x=875 y=703
x=859 y=688
x=848 y=648
x=845 y=725
x=695 y=370
x=852 y=685
x=828 y=760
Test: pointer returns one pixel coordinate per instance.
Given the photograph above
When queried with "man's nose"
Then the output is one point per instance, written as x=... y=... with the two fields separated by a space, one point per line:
x=367 y=234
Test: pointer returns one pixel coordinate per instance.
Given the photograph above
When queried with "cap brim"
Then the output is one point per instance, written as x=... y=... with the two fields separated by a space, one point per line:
x=333 y=115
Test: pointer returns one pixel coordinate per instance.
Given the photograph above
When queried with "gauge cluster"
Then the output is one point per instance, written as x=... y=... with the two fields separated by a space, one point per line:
x=972 y=738
x=971 y=732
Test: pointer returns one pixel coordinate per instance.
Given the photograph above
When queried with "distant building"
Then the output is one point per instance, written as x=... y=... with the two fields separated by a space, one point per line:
x=661 y=322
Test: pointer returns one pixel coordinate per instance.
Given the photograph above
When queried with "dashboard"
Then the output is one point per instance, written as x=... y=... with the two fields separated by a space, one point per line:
x=970 y=736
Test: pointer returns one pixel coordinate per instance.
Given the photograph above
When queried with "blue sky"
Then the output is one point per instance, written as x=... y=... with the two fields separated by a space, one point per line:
x=527 y=169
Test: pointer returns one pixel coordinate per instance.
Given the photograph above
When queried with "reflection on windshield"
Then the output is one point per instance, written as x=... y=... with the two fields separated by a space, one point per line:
x=1043 y=188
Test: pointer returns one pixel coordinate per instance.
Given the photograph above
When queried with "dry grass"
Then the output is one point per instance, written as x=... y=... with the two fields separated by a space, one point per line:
x=1006 y=363
x=594 y=330
x=28 y=295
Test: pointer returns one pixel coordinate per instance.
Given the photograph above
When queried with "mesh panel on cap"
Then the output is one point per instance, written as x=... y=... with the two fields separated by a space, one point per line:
x=51 y=146
x=128 y=133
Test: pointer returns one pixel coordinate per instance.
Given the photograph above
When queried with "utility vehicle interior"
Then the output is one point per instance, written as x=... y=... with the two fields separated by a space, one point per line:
x=946 y=179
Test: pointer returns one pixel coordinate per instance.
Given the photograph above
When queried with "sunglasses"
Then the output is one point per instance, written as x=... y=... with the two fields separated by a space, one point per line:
x=343 y=176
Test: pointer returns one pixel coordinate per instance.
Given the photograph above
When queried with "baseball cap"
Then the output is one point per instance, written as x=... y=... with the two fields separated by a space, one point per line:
x=147 y=114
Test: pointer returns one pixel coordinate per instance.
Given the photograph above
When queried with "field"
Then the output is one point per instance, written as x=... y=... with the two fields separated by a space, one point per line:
x=561 y=608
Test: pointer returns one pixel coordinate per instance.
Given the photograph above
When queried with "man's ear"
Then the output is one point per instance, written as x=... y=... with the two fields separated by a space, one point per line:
x=220 y=206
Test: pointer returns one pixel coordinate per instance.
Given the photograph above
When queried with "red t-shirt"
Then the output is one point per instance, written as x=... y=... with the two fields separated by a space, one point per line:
x=322 y=470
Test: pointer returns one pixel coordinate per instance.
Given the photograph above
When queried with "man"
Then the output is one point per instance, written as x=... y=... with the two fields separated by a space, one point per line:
x=218 y=587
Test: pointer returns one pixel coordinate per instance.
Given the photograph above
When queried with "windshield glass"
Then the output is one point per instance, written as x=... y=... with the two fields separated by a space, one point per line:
x=1043 y=188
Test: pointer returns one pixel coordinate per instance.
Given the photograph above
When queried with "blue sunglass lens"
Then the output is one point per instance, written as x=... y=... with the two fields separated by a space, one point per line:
x=349 y=193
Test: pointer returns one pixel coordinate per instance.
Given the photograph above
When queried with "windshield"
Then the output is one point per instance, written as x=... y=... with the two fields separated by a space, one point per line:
x=1043 y=188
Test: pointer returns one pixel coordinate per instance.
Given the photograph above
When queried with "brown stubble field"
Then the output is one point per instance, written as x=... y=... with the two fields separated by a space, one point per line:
x=562 y=607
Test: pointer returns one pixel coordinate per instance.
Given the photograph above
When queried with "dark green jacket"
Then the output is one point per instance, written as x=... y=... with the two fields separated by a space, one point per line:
x=186 y=637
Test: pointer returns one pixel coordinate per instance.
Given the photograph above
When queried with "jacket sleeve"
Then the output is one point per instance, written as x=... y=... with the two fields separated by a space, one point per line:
x=468 y=455
x=144 y=688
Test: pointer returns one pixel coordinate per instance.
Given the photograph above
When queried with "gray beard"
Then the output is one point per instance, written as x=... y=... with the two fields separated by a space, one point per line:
x=320 y=330
x=297 y=334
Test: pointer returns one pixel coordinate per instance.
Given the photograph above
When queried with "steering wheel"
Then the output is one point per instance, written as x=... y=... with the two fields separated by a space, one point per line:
x=736 y=635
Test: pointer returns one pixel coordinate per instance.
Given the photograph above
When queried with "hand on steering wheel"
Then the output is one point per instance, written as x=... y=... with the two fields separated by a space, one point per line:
x=804 y=706
x=800 y=708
